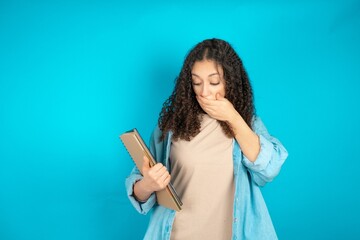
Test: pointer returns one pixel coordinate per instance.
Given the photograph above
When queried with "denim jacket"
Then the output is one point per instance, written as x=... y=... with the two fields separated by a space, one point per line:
x=251 y=219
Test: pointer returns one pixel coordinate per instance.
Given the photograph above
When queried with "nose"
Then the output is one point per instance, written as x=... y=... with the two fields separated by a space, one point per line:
x=205 y=91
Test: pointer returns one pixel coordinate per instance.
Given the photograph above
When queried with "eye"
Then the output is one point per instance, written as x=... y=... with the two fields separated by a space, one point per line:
x=214 y=84
x=214 y=80
x=196 y=83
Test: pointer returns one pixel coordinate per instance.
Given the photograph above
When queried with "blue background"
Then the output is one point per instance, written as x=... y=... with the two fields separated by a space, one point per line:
x=76 y=74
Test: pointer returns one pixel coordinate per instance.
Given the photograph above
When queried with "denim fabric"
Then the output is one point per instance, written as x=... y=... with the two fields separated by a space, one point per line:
x=251 y=219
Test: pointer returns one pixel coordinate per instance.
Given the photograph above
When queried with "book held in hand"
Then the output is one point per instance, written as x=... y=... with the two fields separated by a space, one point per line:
x=137 y=149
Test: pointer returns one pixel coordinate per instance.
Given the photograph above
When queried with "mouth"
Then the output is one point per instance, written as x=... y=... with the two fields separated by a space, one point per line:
x=208 y=97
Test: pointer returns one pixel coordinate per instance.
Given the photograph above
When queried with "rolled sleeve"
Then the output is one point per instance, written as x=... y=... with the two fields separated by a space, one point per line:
x=262 y=159
x=141 y=207
x=270 y=159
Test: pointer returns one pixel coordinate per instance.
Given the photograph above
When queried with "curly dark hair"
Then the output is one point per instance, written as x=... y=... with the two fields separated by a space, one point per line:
x=181 y=112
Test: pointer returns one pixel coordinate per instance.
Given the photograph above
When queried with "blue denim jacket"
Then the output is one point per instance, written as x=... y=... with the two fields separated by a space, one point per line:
x=251 y=219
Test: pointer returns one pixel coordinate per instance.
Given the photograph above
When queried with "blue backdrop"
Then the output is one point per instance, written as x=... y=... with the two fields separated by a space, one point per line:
x=76 y=74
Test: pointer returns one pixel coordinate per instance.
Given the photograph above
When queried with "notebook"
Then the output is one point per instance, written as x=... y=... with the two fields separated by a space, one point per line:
x=137 y=149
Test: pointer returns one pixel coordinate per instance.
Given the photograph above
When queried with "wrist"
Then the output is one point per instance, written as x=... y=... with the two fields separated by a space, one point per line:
x=144 y=187
x=141 y=192
x=234 y=120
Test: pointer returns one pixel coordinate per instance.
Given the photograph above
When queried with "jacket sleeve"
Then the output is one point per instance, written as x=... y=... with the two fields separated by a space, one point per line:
x=141 y=207
x=271 y=157
x=135 y=175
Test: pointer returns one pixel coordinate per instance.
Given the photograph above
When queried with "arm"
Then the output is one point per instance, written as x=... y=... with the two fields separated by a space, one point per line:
x=272 y=155
x=221 y=109
x=141 y=207
x=263 y=155
x=140 y=188
x=248 y=140
x=155 y=179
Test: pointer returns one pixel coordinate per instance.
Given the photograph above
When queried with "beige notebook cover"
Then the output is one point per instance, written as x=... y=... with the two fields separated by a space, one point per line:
x=137 y=150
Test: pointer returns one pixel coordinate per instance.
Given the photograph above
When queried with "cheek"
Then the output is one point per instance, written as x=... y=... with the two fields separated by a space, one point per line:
x=221 y=91
x=196 y=91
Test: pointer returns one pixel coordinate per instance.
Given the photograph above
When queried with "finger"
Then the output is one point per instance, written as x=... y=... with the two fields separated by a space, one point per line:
x=146 y=165
x=157 y=167
x=163 y=176
x=160 y=172
x=156 y=174
x=209 y=102
x=218 y=96
x=203 y=99
x=167 y=180
x=204 y=103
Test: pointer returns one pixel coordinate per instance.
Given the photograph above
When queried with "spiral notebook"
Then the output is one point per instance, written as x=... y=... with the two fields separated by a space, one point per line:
x=137 y=150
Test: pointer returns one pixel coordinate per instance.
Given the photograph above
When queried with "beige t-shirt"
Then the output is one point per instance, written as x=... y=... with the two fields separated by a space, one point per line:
x=202 y=174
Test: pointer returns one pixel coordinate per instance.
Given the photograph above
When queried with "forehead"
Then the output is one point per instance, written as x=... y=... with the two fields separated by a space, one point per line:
x=206 y=67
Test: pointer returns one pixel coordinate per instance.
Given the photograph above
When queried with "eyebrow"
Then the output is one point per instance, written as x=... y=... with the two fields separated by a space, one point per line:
x=210 y=75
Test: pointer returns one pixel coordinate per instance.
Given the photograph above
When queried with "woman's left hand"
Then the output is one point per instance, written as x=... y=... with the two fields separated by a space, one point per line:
x=220 y=108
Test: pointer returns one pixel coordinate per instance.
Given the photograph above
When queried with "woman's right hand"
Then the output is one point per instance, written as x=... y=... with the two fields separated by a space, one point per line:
x=154 y=179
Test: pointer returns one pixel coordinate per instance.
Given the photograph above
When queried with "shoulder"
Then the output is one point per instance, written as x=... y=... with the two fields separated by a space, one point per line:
x=156 y=136
x=156 y=133
x=158 y=146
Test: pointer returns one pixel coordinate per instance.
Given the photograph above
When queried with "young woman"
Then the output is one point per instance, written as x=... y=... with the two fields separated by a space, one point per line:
x=217 y=151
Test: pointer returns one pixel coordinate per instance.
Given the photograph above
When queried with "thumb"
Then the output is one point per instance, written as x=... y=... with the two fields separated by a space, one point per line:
x=146 y=164
x=218 y=96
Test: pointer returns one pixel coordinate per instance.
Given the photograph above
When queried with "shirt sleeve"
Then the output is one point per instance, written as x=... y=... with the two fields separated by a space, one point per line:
x=270 y=159
x=141 y=207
